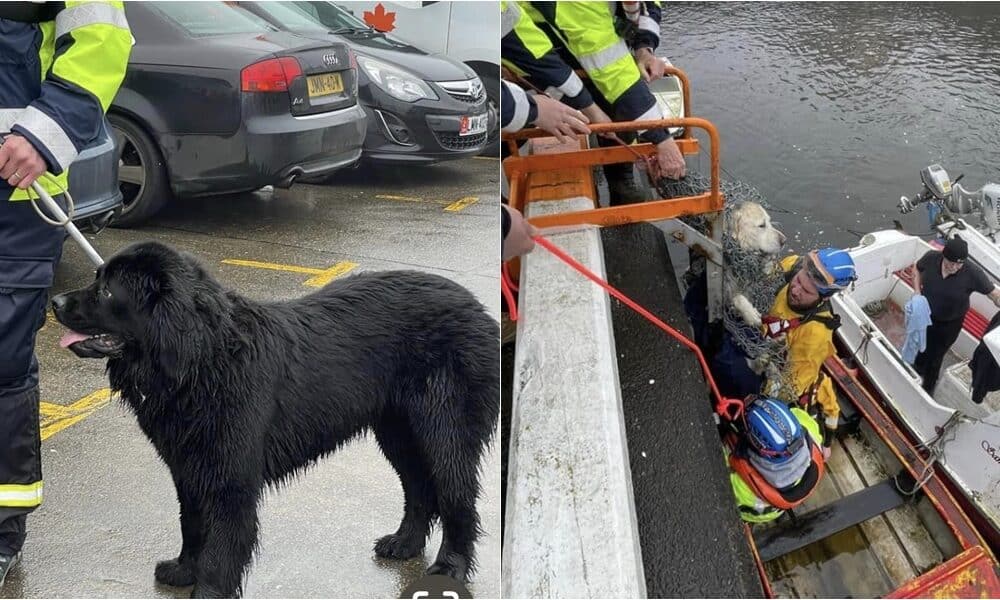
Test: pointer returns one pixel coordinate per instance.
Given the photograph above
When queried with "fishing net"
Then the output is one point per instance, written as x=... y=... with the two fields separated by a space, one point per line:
x=748 y=272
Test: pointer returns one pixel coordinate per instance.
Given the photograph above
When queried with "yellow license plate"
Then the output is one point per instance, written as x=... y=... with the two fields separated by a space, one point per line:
x=324 y=85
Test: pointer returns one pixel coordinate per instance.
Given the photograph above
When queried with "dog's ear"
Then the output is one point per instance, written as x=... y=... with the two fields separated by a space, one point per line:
x=177 y=337
x=738 y=225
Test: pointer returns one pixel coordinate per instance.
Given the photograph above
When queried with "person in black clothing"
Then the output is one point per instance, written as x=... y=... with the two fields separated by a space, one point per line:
x=984 y=367
x=947 y=280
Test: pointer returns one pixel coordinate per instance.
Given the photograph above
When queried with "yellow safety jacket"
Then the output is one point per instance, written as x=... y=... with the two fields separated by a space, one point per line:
x=62 y=65
x=809 y=345
x=587 y=30
x=528 y=52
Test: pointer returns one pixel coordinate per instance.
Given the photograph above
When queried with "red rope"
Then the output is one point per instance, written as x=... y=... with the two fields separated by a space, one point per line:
x=506 y=285
x=505 y=267
x=726 y=407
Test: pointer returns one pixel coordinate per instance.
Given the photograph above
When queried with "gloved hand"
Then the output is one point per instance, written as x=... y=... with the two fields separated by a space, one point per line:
x=670 y=159
x=20 y=163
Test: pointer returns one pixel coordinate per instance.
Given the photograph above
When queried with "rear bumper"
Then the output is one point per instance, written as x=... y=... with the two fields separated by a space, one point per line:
x=93 y=181
x=267 y=150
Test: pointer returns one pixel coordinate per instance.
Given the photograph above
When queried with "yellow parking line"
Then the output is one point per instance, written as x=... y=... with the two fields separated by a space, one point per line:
x=273 y=266
x=321 y=276
x=461 y=203
x=56 y=417
x=399 y=198
x=330 y=274
x=486 y=157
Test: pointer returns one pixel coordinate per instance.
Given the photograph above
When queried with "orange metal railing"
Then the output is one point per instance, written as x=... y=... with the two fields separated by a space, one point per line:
x=520 y=168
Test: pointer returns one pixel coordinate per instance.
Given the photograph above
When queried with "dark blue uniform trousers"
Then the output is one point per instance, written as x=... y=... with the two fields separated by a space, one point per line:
x=29 y=252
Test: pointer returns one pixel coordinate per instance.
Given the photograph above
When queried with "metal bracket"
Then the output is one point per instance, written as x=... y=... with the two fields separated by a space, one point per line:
x=692 y=238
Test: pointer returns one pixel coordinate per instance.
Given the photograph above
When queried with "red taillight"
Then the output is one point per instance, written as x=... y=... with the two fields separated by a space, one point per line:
x=354 y=69
x=271 y=75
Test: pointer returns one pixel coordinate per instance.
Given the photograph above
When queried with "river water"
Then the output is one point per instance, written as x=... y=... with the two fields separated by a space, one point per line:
x=832 y=109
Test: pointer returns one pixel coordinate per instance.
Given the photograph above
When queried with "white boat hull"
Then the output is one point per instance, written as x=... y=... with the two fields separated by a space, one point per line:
x=970 y=445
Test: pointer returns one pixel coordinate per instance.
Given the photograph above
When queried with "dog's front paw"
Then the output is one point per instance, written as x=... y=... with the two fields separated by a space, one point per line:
x=204 y=590
x=454 y=566
x=747 y=311
x=398 y=547
x=174 y=572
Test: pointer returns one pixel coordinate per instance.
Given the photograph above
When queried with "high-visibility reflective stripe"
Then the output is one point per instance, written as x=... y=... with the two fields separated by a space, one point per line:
x=654 y=113
x=604 y=58
x=572 y=86
x=649 y=24
x=13 y=494
x=509 y=16
x=49 y=133
x=91 y=13
x=521 y=108
x=8 y=116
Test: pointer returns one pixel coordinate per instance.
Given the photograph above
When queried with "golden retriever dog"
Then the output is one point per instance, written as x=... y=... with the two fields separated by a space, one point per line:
x=750 y=228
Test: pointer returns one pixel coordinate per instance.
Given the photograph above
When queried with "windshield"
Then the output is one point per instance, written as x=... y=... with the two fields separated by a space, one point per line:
x=200 y=19
x=333 y=16
x=293 y=16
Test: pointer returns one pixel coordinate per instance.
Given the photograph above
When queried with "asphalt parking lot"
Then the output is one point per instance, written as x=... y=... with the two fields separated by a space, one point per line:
x=110 y=511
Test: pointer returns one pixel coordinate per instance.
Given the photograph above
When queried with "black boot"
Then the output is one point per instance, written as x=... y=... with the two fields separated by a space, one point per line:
x=624 y=186
x=7 y=562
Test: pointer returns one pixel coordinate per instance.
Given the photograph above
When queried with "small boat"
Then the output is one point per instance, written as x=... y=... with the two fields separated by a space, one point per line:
x=960 y=437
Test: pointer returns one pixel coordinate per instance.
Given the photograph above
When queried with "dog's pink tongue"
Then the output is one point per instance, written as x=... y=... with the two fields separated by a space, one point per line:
x=71 y=337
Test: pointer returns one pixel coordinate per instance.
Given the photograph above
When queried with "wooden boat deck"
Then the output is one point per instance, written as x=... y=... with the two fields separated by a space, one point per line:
x=868 y=560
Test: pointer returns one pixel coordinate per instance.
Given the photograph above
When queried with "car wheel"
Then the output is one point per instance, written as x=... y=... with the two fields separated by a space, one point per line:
x=142 y=175
x=492 y=84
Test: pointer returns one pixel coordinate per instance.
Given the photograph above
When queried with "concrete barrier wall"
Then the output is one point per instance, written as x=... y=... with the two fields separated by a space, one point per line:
x=570 y=527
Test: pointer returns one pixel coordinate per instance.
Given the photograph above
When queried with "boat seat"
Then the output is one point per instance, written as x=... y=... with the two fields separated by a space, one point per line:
x=954 y=389
x=798 y=531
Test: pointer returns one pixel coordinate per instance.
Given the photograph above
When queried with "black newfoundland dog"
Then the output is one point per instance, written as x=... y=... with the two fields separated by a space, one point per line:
x=236 y=395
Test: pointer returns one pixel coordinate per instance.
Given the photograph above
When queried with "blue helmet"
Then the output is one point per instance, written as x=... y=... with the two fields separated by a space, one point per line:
x=832 y=269
x=772 y=430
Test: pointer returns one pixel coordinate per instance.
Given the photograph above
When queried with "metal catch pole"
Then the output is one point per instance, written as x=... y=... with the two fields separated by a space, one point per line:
x=67 y=224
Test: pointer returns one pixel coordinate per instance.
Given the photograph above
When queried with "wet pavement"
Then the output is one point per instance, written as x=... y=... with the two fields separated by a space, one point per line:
x=110 y=511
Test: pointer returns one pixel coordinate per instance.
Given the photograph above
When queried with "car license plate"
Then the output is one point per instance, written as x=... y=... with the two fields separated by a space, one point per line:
x=324 y=85
x=473 y=125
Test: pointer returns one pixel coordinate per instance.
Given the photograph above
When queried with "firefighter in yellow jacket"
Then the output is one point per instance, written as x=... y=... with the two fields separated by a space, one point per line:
x=62 y=65
x=801 y=314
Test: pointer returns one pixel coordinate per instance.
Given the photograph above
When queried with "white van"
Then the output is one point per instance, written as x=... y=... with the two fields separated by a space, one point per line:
x=465 y=31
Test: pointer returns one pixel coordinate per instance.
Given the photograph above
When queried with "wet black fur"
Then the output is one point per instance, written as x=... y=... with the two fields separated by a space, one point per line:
x=236 y=394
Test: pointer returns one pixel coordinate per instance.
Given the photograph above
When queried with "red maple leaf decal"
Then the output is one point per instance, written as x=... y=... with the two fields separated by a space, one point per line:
x=380 y=19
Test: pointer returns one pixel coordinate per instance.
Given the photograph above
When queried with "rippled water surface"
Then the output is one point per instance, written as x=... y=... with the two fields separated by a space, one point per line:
x=832 y=109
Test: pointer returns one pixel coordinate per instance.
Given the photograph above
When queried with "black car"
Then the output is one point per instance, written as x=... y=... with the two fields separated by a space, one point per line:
x=421 y=108
x=216 y=100
x=93 y=182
